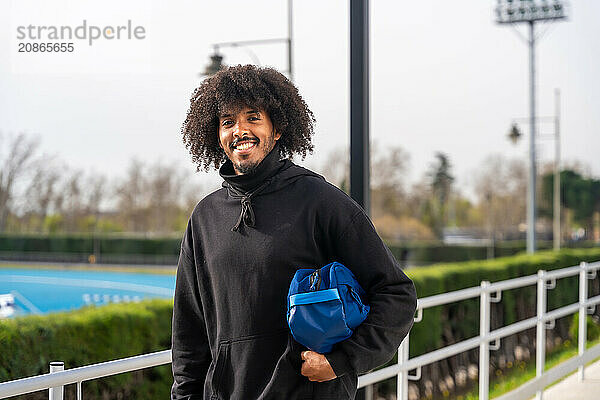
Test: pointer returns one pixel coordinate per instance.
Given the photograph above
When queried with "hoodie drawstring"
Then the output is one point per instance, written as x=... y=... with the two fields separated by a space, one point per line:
x=247 y=213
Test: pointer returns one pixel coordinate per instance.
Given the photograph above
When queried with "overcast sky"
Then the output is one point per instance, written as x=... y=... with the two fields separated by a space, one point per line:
x=444 y=77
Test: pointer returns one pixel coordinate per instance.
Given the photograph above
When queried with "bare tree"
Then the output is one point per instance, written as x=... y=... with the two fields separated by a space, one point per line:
x=501 y=187
x=336 y=168
x=95 y=193
x=192 y=193
x=43 y=188
x=388 y=180
x=389 y=166
x=165 y=183
x=14 y=161
x=73 y=203
x=130 y=196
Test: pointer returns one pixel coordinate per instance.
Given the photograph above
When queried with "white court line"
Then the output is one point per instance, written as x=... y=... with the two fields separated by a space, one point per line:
x=24 y=300
x=91 y=283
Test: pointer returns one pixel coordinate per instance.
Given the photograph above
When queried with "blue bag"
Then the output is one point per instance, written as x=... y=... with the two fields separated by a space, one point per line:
x=324 y=306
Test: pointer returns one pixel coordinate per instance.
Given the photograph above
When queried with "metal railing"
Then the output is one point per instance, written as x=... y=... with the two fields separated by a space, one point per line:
x=490 y=340
x=486 y=341
x=58 y=376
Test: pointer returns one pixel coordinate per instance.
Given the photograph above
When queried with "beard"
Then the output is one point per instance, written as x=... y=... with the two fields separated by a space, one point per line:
x=249 y=166
x=246 y=168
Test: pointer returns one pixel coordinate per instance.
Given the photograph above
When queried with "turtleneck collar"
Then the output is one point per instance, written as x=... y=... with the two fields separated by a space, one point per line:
x=248 y=182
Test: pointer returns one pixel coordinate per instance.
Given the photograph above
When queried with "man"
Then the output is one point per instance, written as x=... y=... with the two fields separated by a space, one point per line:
x=244 y=242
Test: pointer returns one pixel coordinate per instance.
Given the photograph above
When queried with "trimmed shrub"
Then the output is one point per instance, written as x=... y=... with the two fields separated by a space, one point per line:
x=87 y=336
x=463 y=318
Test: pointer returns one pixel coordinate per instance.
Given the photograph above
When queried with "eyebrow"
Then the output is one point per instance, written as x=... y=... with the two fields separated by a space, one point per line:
x=247 y=113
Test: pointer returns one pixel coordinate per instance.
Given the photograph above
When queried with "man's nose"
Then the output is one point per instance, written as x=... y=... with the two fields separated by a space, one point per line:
x=240 y=129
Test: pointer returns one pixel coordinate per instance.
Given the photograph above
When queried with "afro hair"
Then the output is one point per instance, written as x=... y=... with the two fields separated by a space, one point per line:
x=234 y=88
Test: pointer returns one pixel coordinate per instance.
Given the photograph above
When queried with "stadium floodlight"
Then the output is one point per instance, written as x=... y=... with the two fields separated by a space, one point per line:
x=530 y=12
x=510 y=11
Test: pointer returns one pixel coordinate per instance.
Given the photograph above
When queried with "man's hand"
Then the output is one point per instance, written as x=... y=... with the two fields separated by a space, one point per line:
x=316 y=367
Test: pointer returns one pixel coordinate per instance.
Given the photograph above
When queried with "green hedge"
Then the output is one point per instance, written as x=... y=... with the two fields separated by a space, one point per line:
x=423 y=253
x=463 y=317
x=419 y=253
x=91 y=335
x=85 y=244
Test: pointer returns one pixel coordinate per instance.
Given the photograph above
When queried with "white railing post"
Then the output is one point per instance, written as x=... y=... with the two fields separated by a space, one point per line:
x=56 y=393
x=369 y=392
x=540 y=336
x=582 y=336
x=484 y=346
x=402 y=384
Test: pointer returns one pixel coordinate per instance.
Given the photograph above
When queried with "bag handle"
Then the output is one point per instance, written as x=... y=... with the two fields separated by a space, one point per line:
x=320 y=296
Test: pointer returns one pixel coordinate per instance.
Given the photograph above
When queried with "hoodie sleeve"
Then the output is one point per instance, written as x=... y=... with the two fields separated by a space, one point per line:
x=390 y=294
x=190 y=351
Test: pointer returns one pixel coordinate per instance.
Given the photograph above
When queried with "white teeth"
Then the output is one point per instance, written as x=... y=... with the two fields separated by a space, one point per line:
x=244 y=146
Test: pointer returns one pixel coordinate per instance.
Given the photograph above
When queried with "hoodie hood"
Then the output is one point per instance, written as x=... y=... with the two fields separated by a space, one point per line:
x=279 y=172
x=271 y=175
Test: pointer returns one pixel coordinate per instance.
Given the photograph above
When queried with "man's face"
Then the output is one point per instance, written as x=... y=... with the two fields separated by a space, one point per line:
x=247 y=138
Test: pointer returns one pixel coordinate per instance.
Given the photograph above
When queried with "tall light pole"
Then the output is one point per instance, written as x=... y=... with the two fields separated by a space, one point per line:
x=530 y=11
x=515 y=134
x=556 y=197
x=359 y=102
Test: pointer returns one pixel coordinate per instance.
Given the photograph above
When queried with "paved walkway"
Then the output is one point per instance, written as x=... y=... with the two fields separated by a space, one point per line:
x=571 y=389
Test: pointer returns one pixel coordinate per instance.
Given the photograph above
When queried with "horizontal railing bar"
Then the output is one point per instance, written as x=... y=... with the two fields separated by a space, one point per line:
x=513 y=283
x=454 y=349
x=463 y=294
x=431 y=357
x=450 y=297
x=592 y=301
x=442 y=353
x=79 y=374
x=561 y=312
x=394 y=370
x=529 y=388
x=512 y=329
x=378 y=376
x=563 y=273
x=593 y=266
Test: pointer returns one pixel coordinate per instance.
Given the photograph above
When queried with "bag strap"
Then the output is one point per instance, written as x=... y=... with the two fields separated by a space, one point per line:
x=314 y=297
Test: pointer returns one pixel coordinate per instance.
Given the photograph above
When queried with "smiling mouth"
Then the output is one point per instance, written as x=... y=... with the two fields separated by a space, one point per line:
x=244 y=146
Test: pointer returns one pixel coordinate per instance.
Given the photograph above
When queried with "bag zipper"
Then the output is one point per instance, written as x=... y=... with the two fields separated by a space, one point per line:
x=315 y=280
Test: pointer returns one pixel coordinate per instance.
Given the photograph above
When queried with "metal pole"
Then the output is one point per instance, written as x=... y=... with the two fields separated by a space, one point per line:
x=484 y=346
x=531 y=212
x=359 y=102
x=582 y=332
x=557 y=234
x=402 y=384
x=369 y=394
x=290 y=31
x=540 y=336
x=56 y=393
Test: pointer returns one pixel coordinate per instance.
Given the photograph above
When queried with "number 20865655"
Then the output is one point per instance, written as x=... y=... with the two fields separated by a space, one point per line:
x=46 y=47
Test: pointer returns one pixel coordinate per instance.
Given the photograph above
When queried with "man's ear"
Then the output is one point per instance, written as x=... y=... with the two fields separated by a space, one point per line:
x=277 y=135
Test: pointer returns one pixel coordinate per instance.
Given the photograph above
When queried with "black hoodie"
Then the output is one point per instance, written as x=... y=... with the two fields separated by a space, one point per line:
x=238 y=256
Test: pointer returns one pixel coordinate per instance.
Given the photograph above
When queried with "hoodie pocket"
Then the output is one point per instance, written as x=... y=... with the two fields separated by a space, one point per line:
x=245 y=365
x=219 y=368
